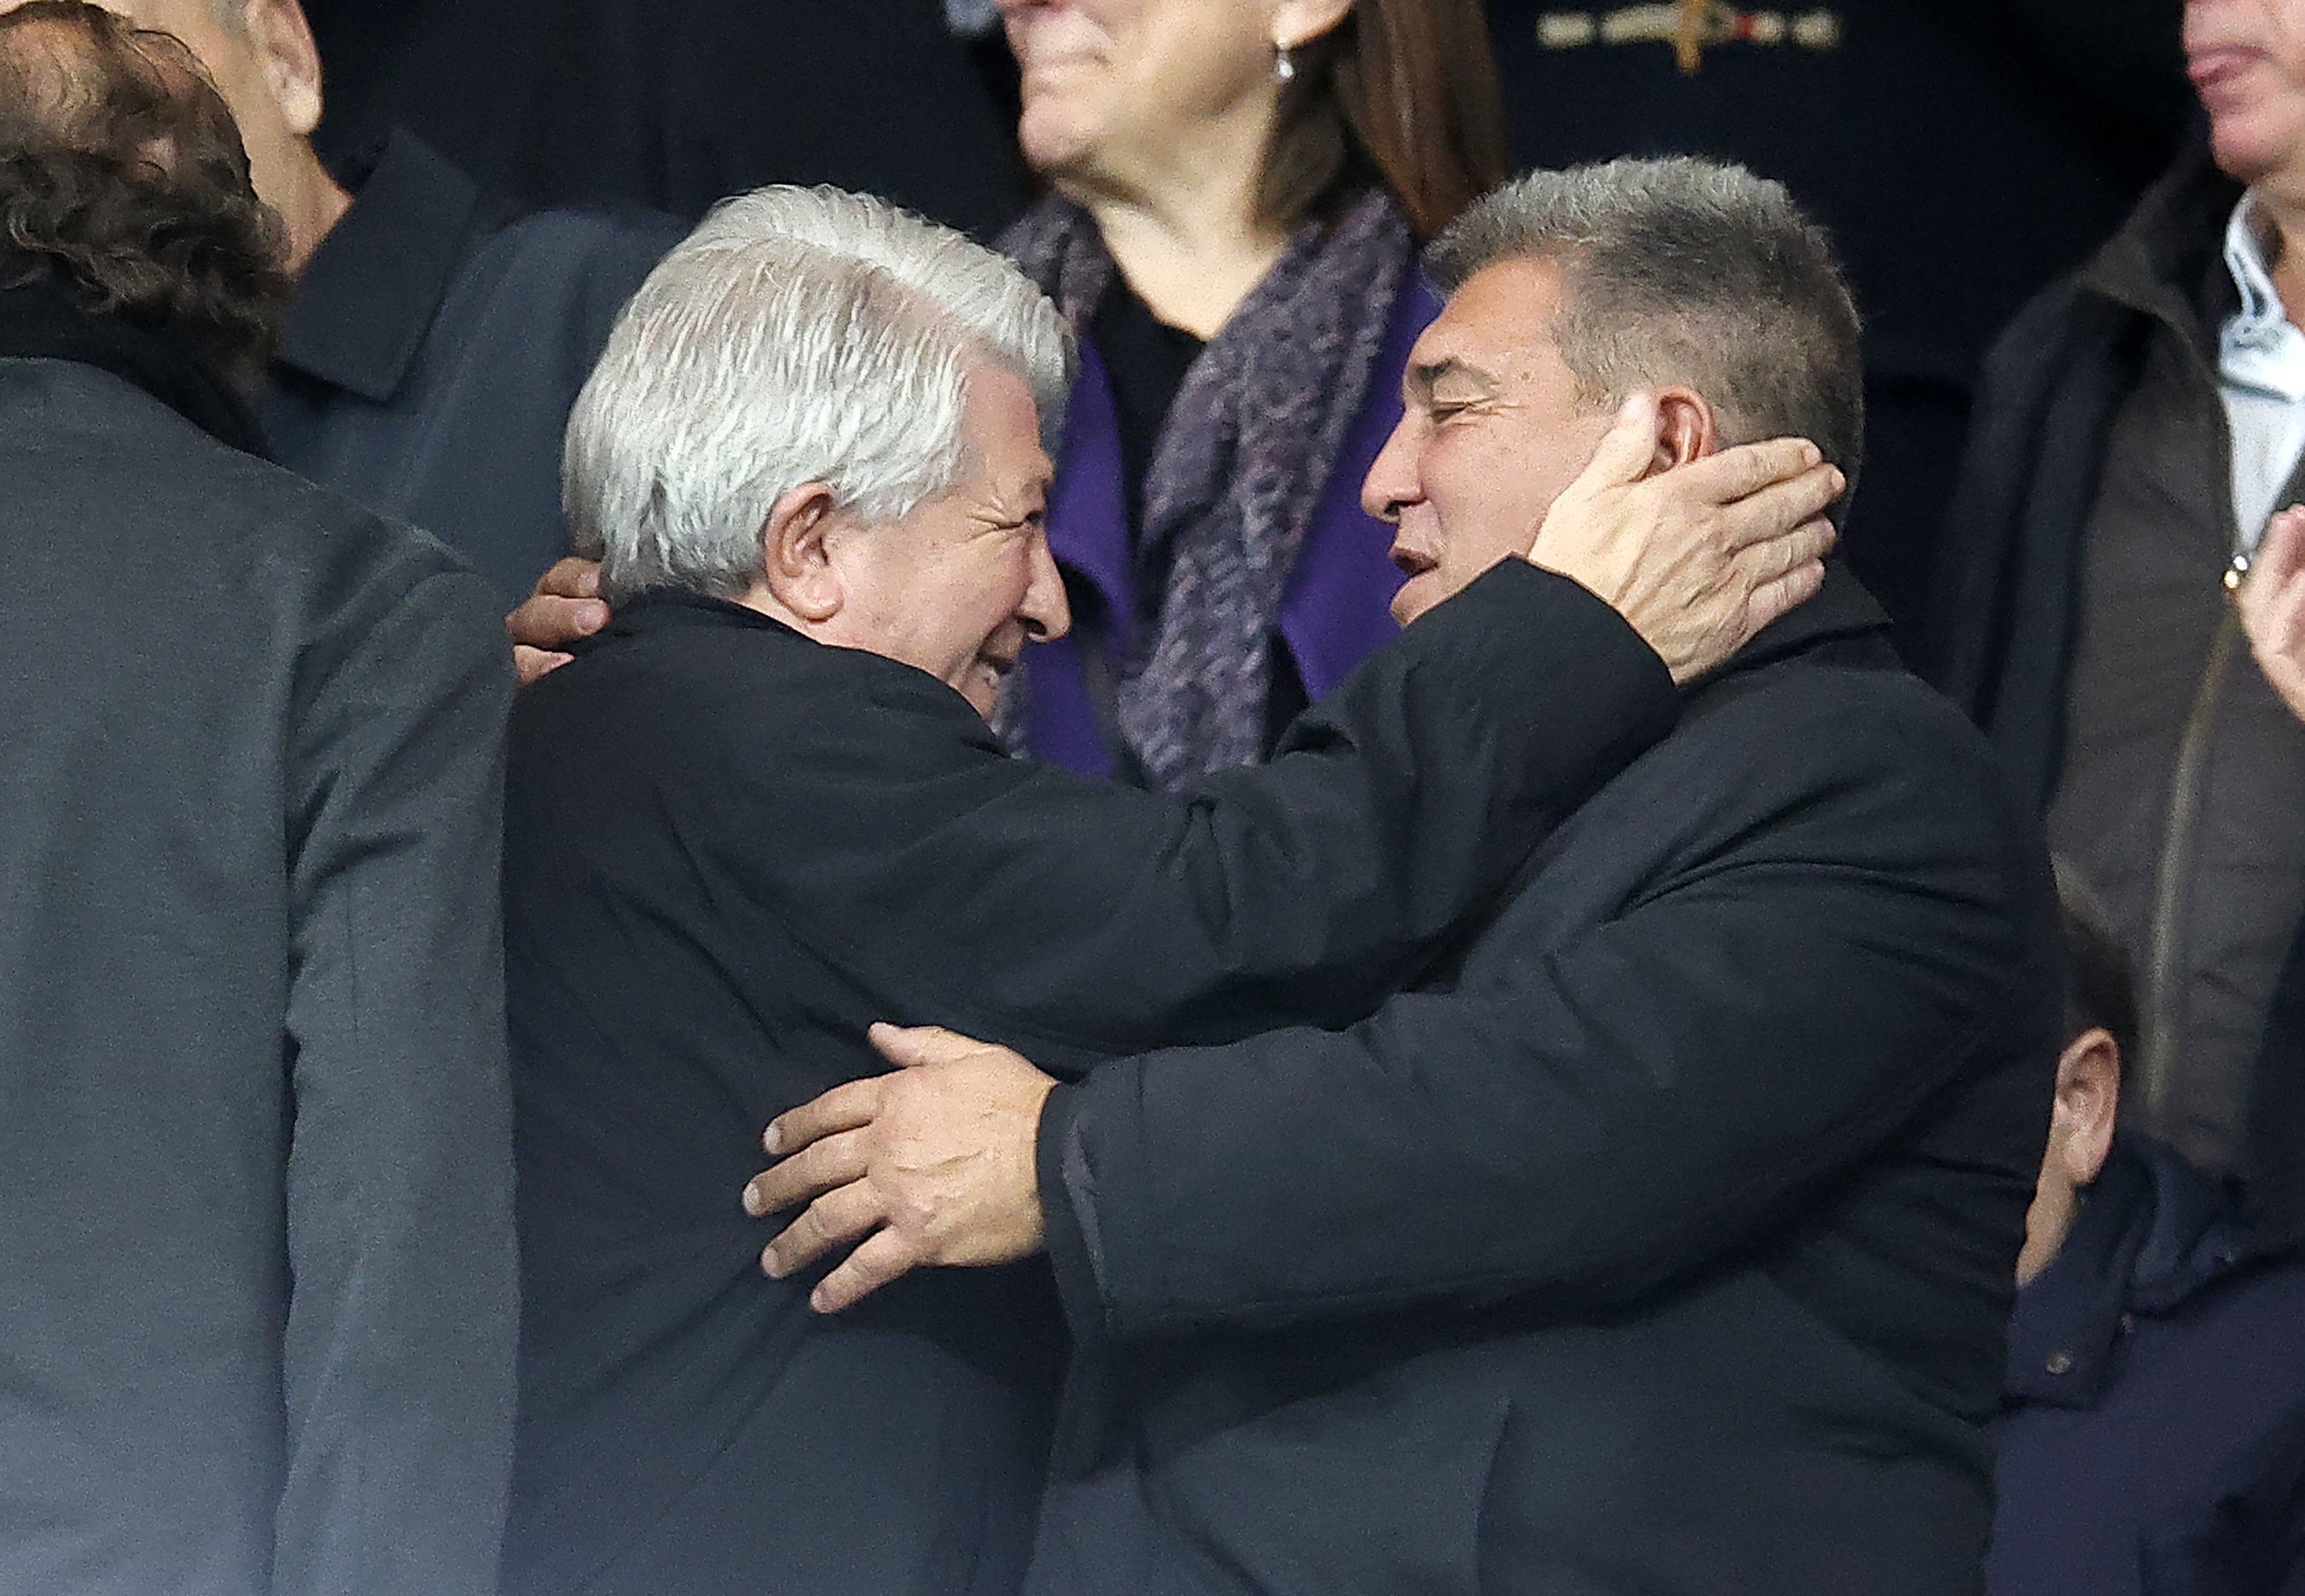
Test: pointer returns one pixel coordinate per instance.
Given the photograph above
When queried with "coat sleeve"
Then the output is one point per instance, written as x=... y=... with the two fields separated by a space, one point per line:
x=1588 y=1120
x=1042 y=907
x=400 y=1334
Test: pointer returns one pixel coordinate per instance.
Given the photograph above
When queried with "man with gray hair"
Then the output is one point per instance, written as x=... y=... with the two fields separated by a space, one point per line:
x=1660 y=1242
x=763 y=810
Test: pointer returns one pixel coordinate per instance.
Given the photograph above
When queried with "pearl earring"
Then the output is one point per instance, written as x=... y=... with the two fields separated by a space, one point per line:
x=1284 y=70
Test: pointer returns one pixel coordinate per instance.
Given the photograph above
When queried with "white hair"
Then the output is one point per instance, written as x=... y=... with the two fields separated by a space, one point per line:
x=798 y=335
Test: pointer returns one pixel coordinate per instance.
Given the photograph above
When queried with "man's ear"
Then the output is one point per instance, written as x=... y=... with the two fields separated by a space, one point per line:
x=795 y=559
x=1299 y=23
x=2088 y=1102
x=283 y=41
x=1685 y=429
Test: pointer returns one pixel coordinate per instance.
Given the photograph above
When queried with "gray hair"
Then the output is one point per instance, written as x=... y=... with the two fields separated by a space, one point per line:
x=798 y=335
x=1690 y=271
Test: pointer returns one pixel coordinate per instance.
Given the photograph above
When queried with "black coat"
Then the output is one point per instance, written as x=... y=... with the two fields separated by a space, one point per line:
x=729 y=849
x=435 y=348
x=256 y=1333
x=1664 y=1246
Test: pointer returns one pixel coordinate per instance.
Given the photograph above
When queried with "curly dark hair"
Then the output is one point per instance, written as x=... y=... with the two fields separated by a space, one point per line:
x=122 y=179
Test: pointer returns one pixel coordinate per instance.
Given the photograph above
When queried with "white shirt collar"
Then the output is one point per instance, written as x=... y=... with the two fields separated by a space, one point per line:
x=2253 y=274
x=2259 y=348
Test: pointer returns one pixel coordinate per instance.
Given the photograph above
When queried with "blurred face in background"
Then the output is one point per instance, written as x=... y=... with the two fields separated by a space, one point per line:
x=2247 y=61
x=1114 y=89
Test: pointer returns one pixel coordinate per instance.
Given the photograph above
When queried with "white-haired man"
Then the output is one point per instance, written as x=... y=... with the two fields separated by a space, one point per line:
x=763 y=810
x=1660 y=1244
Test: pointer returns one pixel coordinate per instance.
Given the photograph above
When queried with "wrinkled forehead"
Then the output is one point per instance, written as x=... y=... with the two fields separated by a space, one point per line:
x=1499 y=327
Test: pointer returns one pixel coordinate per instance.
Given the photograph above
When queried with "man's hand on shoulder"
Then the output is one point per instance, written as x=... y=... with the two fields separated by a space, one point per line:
x=565 y=606
x=931 y=1166
x=1697 y=559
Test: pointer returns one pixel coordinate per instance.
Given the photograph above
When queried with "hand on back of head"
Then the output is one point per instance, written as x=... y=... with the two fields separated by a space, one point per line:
x=1697 y=559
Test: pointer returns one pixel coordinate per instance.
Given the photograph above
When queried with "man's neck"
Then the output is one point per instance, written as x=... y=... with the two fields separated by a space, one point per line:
x=2281 y=221
x=1188 y=236
x=310 y=211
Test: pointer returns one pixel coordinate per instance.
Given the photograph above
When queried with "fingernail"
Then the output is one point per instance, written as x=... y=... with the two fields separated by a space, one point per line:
x=772 y=1266
x=1811 y=454
x=752 y=1200
x=772 y=1140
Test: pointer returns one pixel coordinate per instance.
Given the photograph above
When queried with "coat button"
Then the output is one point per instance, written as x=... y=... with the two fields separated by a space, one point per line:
x=2061 y=1362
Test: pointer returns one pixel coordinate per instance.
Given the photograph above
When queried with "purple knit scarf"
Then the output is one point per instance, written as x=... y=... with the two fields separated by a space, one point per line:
x=1239 y=468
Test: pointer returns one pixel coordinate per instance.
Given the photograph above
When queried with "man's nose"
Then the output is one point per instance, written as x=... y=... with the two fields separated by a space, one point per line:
x=1046 y=612
x=1392 y=481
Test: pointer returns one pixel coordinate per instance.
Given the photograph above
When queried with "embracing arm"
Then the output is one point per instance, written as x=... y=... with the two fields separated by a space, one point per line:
x=1597 y=1117
x=399 y=1342
x=1074 y=915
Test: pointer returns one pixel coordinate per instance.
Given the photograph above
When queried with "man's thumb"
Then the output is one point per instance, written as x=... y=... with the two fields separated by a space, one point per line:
x=910 y=1047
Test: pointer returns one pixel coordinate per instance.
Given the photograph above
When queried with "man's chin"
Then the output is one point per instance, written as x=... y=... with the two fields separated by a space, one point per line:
x=1417 y=595
x=981 y=686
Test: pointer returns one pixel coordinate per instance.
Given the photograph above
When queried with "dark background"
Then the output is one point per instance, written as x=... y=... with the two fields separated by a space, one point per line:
x=1963 y=152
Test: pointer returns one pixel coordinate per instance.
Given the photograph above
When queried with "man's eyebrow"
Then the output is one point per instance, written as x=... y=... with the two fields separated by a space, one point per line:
x=1423 y=375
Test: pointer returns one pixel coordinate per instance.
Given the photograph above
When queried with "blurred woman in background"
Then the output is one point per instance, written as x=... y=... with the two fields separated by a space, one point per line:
x=1239 y=187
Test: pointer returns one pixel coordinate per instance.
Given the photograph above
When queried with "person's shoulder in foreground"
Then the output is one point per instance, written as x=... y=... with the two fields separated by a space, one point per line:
x=251 y=953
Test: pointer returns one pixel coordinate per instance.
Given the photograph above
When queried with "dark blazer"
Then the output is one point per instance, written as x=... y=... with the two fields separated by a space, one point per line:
x=730 y=849
x=2152 y=1442
x=435 y=348
x=1663 y=1246
x=258 y=1328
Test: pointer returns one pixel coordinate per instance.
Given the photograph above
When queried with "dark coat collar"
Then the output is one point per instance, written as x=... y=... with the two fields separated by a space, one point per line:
x=665 y=610
x=45 y=321
x=371 y=289
x=1842 y=611
x=2169 y=260
x=2153 y=1233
